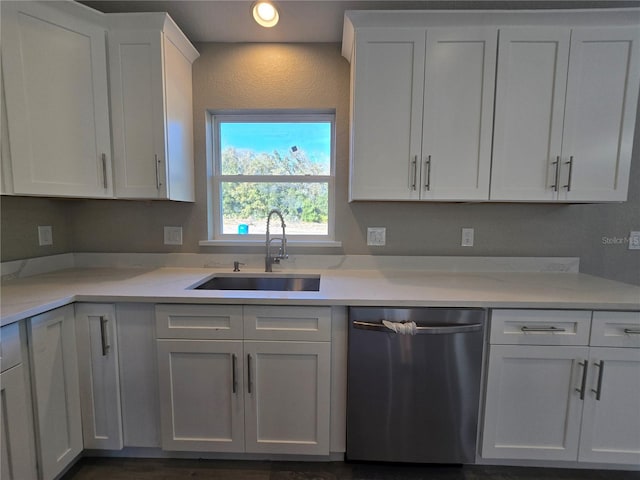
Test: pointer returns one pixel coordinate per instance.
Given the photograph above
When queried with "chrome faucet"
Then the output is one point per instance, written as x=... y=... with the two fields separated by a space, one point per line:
x=269 y=259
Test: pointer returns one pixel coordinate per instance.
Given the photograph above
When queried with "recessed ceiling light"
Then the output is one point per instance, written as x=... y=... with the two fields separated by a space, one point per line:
x=265 y=13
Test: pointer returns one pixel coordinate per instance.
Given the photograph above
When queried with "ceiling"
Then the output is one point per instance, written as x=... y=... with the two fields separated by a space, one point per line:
x=302 y=20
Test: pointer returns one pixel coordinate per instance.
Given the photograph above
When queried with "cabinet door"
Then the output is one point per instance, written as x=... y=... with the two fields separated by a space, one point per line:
x=99 y=376
x=137 y=113
x=56 y=92
x=55 y=382
x=17 y=453
x=287 y=397
x=387 y=95
x=532 y=408
x=611 y=417
x=530 y=95
x=600 y=114
x=201 y=395
x=458 y=113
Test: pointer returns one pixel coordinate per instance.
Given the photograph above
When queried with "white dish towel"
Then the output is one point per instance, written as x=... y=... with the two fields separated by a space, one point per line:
x=408 y=328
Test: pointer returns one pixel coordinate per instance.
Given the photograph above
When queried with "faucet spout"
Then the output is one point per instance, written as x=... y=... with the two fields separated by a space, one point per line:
x=270 y=259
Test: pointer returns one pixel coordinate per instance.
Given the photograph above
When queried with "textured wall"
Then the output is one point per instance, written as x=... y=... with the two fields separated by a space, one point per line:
x=313 y=76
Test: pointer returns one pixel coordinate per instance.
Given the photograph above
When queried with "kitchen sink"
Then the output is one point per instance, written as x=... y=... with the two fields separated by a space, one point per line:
x=269 y=282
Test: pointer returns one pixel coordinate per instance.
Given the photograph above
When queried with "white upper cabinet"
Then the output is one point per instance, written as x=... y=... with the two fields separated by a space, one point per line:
x=565 y=113
x=458 y=113
x=422 y=113
x=530 y=95
x=387 y=75
x=55 y=80
x=151 y=107
x=600 y=114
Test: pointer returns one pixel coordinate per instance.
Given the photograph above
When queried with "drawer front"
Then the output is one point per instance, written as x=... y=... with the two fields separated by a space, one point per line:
x=540 y=327
x=615 y=329
x=287 y=323
x=10 y=353
x=208 y=322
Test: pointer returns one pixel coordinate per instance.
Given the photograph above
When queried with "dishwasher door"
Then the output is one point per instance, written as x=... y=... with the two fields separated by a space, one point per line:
x=414 y=398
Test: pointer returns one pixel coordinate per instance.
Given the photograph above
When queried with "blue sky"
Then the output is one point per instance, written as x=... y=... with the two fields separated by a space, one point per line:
x=313 y=138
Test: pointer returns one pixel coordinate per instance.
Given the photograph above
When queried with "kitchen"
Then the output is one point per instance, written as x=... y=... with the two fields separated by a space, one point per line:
x=316 y=76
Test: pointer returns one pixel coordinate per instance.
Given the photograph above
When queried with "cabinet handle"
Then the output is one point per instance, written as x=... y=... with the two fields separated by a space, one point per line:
x=234 y=379
x=598 y=390
x=415 y=172
x=249 y=379
x=104 y=335
x=157 y=162
x=583 y=383
x=555 y=182
x=570 y=163
x=632 y=331
x=427 y=183
x=104 y=171
x=552 y=329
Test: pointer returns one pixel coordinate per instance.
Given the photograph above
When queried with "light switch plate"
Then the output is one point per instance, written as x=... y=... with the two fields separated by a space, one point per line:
x=173 y=235
x=634 y=240
x=45 y=235
x=376 y=236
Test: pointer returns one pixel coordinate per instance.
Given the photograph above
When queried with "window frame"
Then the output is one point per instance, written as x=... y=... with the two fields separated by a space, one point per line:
x=216 y=178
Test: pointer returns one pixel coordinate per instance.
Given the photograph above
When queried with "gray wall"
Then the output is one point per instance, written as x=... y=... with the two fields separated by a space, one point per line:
x=236 y=76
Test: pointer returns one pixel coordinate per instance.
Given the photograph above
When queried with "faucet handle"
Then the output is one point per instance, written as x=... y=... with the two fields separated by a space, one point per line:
x=236 y=266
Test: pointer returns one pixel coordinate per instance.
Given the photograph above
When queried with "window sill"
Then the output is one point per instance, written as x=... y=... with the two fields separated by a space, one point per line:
x=260 y=243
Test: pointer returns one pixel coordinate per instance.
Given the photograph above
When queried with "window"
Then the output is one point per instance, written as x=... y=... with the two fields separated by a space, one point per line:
x=263 y=161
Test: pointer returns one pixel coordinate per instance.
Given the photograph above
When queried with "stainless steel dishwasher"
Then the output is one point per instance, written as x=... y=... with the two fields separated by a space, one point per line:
x=414 y=397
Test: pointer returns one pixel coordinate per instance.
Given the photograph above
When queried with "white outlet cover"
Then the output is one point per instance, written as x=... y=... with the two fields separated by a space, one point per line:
x=376 y=236
x=634 y=240
x=467 y=237
x=45 y=235
x=173 y=235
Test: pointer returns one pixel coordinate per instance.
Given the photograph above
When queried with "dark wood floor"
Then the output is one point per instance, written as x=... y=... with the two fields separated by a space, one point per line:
x=155 y=469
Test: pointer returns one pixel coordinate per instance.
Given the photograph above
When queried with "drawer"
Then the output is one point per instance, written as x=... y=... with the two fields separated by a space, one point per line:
x=287 y=323
x=540 y=327
x=217 y=322
x=10 y=351
x=615 y=329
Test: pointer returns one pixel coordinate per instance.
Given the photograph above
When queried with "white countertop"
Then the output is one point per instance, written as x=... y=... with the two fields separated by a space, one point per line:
x=25 y=297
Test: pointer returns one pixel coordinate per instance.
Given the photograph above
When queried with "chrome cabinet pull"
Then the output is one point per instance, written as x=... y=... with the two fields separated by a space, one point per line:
x=427 y=183
x=552 y=329
x=598 y=389
x=249 y=379
x=157 y=162
x=583 y=383
x=555 y=182
x=570 y=163
x=104 y=335
x=104 y=171
x=632 y=331
x=234 y=379
x=415 y=172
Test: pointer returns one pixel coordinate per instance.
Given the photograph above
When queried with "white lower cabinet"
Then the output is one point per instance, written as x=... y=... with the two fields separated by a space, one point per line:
x=54 y=369
x=556 y=393
x=17 y=447
x=245 y=394
x=99 y=376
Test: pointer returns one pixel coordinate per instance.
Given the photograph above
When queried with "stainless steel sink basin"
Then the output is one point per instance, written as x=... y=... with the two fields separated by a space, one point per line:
x=267 y=282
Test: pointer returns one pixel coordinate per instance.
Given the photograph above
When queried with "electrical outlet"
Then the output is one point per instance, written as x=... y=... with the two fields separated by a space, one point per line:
x=634 y=240
x=376 y=236
x=467 y=237
x=173 y=235
x=45 y=235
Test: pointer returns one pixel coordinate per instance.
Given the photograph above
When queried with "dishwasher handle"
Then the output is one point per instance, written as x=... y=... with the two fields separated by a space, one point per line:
x=435 y=330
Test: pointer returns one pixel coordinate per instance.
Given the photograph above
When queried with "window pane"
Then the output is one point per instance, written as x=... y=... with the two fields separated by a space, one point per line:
x=275 y=148
x=305 y=207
